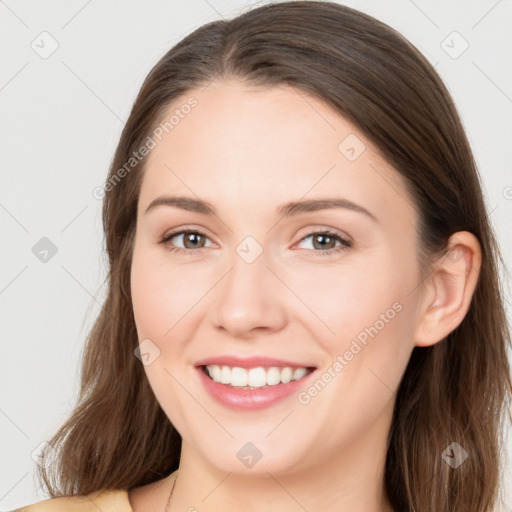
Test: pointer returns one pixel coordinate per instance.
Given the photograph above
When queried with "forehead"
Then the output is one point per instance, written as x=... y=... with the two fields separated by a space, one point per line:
x=254 y=148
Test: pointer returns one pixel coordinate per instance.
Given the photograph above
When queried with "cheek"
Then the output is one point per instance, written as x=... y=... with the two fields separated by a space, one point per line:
x=152 y=297
x=146 y=299
x=348 y=298
x=369 y=312
x=362 y=310
x=377 y=343
x=164 y=295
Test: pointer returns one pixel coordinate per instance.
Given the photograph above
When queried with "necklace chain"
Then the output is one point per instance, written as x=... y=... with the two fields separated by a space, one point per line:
x=172 y=489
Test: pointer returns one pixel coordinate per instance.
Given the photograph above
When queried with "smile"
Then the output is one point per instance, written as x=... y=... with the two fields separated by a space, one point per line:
x=252 y=387
x=254 y=378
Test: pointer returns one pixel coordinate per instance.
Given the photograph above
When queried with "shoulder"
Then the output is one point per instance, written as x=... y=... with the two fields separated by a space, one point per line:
x=110 y=500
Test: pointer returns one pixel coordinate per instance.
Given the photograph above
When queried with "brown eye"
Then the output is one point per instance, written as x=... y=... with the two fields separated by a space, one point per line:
x=191 y=241
x=194 y=239
x=324 y=243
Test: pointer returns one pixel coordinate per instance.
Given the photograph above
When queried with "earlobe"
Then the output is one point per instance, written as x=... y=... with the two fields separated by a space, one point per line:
x=450 y=289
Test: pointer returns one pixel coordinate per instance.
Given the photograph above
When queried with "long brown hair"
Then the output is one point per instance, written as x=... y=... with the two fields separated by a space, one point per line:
x=454 y=391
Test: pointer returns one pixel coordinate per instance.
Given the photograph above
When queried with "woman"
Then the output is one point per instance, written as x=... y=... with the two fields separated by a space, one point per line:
x=304 y=310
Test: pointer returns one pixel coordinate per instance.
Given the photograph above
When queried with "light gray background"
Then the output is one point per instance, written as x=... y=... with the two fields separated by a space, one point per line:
x=61 y=119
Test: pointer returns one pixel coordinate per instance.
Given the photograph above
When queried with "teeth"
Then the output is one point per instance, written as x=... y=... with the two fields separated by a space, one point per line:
x=239 y=377
x=254 y=377
x=225 y=374
x=273 y=376
x=286 y=375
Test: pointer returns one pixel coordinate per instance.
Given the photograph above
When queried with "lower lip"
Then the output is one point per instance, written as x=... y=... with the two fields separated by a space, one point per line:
x=251 y=399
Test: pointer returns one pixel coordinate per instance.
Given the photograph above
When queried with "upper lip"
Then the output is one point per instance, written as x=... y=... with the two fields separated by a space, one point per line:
x=249 y=362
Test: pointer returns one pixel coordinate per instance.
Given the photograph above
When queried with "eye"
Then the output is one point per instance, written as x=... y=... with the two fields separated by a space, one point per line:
x=194 y=239
x=326 y=242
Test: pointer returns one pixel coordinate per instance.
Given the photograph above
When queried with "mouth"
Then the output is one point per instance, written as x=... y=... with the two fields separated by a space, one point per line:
x=255 y=378
x=254 y=383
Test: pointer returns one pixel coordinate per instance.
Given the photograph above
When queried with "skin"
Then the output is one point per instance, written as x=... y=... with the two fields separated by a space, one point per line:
x=247 y=151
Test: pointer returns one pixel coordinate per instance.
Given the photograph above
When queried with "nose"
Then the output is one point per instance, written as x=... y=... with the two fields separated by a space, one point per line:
x=249 y=299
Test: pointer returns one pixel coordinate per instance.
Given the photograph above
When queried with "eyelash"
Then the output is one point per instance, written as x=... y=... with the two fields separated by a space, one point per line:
x=345 y=244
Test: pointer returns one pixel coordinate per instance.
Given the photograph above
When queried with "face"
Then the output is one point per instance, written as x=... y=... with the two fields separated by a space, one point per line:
x=331 y=286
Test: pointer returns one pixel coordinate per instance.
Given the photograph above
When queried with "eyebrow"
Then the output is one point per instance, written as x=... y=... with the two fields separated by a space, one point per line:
x=286 y=210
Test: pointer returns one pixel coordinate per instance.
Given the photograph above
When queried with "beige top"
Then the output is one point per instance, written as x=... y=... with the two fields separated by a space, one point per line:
x=106 y=501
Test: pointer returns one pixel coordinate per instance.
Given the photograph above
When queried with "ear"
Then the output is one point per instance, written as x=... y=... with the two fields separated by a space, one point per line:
x=450 y=287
